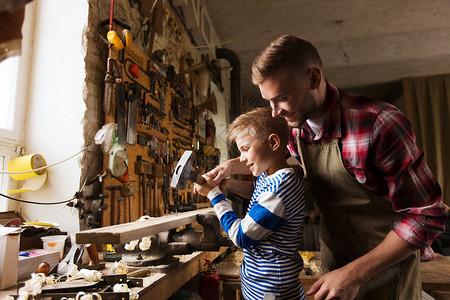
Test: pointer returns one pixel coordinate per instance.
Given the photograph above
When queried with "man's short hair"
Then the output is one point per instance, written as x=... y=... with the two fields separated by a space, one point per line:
x=260 y=124
x=286 y=52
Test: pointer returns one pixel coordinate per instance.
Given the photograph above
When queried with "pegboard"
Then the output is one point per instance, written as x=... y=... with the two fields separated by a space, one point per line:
x=167 y=124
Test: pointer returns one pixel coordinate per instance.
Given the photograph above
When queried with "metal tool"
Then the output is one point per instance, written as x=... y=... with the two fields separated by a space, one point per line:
x=113 y=190
x=109 y=81
x=157 y=173
x=176 y=242
x=119 y=200
x=109 y=77
x=183 y=172
x=119 y=92
x=134 y=94
x=144 y=168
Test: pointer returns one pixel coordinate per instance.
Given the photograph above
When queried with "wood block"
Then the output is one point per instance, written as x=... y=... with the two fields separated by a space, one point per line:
x=123 y=233
x=435 y=273
x=143 y=167
x=158 y=171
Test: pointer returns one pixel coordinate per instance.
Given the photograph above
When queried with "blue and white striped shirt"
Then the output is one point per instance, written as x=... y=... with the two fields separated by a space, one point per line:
x=269 y=234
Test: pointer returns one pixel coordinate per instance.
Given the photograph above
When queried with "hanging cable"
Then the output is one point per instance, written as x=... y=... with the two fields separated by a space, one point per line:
x=44 y=167
x=345 y=56
x=231 y=40
x=34 y=202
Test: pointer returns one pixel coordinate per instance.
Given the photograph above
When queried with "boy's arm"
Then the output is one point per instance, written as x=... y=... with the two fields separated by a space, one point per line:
x=266 y=216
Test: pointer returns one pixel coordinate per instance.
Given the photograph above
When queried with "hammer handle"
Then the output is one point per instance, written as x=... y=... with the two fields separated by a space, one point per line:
x=196 y=178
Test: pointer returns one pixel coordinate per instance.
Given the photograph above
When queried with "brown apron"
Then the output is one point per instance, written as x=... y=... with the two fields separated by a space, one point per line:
x=354 y=221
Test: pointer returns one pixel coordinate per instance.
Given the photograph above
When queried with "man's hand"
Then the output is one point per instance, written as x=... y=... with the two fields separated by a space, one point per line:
x=227 y=185
x=337 y=284
x=220 y=172
x=205 y=188
x=225 y=169
x=344 y=283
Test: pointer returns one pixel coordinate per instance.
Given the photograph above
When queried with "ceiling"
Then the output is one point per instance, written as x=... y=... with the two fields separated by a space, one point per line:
x=361 y=42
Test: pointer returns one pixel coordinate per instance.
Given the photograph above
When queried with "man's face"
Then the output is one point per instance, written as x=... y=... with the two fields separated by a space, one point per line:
x=290 y=97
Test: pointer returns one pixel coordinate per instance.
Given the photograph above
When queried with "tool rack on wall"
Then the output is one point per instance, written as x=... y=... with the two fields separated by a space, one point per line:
x=157 y=122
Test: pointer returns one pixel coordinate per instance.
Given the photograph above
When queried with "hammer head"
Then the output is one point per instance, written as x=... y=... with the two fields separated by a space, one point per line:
x=182 y=171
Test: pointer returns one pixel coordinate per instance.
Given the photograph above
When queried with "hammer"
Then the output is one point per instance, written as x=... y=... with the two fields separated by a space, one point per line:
x=183 y=172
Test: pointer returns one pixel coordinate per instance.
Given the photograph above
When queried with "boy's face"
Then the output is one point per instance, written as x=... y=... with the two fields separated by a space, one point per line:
x=256 y=155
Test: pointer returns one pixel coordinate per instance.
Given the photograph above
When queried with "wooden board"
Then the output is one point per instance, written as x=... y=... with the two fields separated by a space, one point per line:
x=123 y=233
x=436 y=273
x=189 y=266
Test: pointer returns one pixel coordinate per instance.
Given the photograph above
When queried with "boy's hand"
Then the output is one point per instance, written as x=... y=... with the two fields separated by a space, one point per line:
x=205 y=188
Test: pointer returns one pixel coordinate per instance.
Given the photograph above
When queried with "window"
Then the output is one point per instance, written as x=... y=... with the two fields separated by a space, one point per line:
x=12 y=111
x=9 y=135
x=8 y=84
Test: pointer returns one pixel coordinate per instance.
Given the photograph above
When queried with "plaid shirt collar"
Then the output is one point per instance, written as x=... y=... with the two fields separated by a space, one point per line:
x=331 y=128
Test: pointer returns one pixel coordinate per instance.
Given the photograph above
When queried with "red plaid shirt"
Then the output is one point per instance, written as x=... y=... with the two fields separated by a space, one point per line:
x=378 y=148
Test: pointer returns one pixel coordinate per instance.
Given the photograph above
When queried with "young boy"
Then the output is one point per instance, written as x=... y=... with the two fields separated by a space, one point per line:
x=273 y=226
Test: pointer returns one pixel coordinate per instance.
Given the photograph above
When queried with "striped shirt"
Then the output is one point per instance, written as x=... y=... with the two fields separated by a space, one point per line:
x=269 y=233
x=378 y=148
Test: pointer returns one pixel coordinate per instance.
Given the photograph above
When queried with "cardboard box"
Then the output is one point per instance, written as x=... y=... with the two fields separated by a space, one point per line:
x=9 y=256
x=29 y=264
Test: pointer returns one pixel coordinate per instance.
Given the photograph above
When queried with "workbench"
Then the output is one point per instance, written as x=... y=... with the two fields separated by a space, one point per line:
x=162 y=285
x=435 y=274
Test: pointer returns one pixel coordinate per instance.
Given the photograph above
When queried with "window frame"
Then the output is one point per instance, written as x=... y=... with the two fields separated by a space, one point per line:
x=12 y=141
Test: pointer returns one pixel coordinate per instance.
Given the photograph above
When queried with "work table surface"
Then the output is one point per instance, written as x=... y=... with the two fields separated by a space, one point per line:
x=162 y=285
x=435 y=274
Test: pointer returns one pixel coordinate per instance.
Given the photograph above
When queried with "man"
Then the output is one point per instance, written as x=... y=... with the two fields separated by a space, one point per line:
x=378 y=199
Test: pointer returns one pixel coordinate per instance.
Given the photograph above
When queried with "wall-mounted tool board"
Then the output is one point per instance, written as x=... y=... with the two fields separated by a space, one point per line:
x=156 y=121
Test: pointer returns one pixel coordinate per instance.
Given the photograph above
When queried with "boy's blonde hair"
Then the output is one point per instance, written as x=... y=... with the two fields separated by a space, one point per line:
x=260 y=124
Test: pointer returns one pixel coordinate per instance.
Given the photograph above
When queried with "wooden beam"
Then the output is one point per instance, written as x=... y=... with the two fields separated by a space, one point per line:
x=165 y=286
x=123 y=233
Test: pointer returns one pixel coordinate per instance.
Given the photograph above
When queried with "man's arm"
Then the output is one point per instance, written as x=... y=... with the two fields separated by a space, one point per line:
x=225 y=169
x=345 y=282
x=240 y=187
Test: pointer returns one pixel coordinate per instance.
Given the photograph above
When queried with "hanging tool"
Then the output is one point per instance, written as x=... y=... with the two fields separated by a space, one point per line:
x=119 y=200
x=157 y=172
x=144 y=168
x=113 y=190
x=129 y=190
x=183 y=172
x=109 y=81
x=166 y=192
x=119 y=93
x=117 y=158
x=109 y=78
x=134 y=94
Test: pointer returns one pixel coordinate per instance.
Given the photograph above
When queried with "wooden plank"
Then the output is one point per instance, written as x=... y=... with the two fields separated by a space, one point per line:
x=435 y=273
x=441 y=295
x=164 y=287
x=123 y=233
